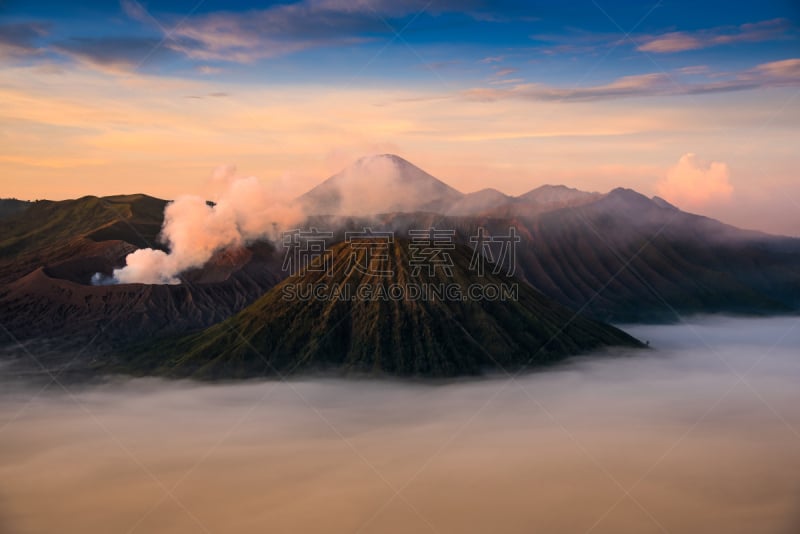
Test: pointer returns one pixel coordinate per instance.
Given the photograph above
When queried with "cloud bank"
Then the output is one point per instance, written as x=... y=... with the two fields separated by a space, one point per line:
x=554 y=451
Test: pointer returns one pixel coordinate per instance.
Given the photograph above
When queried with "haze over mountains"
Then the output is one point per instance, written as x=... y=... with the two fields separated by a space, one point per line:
x=379 y=184
x=387 y=183
x=618 y=256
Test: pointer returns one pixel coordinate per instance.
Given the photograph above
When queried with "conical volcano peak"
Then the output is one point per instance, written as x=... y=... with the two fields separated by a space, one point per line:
x=388 y=168
x=373 y=158
x=379 y=184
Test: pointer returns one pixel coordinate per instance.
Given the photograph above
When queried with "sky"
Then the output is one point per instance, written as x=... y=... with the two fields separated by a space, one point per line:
x=697 y=102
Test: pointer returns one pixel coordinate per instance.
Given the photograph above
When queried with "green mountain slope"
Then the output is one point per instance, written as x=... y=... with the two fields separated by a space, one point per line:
x=407 y=337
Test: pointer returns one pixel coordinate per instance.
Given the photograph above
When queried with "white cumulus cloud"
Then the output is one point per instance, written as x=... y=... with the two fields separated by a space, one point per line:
x=693 y=182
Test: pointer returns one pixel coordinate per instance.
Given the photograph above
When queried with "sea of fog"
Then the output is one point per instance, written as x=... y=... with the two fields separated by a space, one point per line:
x=701 y=434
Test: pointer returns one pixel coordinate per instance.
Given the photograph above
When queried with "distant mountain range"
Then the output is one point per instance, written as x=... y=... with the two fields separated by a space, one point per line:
x=617 y=256
x=388 y=184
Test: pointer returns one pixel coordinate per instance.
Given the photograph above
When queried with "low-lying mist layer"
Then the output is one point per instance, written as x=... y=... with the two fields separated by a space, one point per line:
x=695 y=447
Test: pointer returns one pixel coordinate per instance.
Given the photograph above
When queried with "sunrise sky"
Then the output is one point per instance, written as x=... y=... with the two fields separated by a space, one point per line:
x=695 y=101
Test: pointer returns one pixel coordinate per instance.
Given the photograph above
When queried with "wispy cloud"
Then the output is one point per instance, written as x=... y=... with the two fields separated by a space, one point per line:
x=134 y=10
x=208 y=70
x=281 y=29
x=767 y=30
x=577 y=42
x=114 y=53
x=21 y=39
x=218 y=94
x=787 y=70
x=694 y=69
x=574 y=41
x=774 y=74
x=503 y=72
x=506 y=81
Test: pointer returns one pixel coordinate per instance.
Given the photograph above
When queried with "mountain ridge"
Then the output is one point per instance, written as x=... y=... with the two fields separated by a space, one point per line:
x=621 y=257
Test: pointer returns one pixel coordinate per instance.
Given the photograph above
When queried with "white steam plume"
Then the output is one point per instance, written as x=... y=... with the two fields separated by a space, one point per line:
x=245 y=211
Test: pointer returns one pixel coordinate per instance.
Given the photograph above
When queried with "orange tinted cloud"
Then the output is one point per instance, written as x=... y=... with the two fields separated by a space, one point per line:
x=695 y=183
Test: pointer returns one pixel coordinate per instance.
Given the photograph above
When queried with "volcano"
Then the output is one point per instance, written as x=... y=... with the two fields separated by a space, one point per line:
x=379 y=184
x=363 y=333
